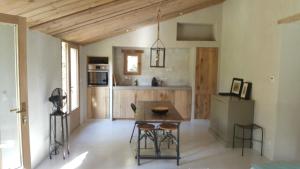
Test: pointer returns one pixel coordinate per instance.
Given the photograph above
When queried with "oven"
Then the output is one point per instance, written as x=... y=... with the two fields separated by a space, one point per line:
x=98 y=74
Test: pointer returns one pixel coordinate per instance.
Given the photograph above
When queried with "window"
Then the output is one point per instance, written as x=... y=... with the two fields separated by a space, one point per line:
x=70 y=75
x=132 y=62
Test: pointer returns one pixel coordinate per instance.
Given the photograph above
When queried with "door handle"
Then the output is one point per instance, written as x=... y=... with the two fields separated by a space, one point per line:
x=23 y=108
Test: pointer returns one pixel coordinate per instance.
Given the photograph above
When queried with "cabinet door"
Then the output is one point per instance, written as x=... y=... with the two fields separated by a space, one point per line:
x=100 y=105
x=182 y=103
x=89 y=103
x=98 y=102
x=144 y=95
x=116 y=104
x=164 y=95
x=126 y=98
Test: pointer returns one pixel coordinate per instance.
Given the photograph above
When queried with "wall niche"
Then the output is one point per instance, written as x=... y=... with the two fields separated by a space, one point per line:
x=195 y=32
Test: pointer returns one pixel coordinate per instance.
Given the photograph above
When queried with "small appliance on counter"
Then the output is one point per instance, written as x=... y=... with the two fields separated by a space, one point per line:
x=98 y=69
x=154 y=82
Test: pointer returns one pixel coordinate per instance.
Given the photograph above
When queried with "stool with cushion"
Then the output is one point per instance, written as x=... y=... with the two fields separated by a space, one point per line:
x=168 y=128
x=143 y=127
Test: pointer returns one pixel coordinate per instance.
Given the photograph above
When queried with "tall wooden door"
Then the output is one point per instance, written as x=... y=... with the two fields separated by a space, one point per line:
x=14 y=126
x=205 y=80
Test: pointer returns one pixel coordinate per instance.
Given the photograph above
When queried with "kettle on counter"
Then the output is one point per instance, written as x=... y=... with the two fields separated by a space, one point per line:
x=154 y=82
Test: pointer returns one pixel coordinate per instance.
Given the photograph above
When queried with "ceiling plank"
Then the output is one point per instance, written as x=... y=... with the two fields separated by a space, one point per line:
x=121 y=31
x=59 y=11
x=87 y=21
x=290 y=19
x=96 y=14
x=41 y=11
x=171 y=9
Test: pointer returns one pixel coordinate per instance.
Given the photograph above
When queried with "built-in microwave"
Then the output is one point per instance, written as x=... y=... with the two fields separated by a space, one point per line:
x=98 y=74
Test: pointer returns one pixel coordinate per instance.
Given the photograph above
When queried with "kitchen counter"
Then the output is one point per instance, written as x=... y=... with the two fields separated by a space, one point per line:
x=152 y=88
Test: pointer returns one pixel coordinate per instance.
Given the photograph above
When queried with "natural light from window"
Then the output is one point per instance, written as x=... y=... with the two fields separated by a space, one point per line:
x=132 y=63
x=74 y=79
x=76 y=162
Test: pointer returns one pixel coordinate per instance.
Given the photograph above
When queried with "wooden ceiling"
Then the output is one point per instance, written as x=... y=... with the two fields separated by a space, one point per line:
x=87 y=21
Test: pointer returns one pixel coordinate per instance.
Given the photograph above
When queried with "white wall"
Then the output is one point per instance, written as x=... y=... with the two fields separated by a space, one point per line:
x=287 y=144
x=145 y=37
x=44 y=74
x=251 y=50
x=175 y=73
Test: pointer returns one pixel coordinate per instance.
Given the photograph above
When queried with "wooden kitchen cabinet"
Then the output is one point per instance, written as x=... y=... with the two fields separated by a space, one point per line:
x=144 y=95
x=122 y=98
x=121 y=104
x=164 y=95
x=183 y=102
x=98 y=102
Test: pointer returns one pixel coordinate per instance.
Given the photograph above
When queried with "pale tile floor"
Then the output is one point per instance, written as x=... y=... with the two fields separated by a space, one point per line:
x=104 y=144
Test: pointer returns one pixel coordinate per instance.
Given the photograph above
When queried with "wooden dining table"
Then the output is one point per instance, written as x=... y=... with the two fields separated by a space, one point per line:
x=144 y=114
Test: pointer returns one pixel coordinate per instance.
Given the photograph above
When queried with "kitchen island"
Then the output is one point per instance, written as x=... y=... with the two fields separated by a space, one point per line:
x=123 y=96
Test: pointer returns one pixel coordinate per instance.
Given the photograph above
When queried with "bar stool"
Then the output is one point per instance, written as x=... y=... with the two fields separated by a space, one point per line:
x=168 y=128
x=148 y=132
x=55 y=144
x=133 y=107
x=250 y=127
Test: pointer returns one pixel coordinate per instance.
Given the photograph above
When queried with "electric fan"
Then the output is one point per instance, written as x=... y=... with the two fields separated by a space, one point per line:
x=58 y=98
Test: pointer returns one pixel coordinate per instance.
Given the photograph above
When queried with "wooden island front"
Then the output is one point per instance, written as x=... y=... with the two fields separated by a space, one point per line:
x=123 y=96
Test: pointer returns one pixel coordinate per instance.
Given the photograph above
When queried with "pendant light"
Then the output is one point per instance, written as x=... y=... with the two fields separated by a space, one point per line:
x=157 y=50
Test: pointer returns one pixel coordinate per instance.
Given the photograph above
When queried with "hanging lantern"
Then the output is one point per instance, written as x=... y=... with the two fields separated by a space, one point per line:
x=157 y=50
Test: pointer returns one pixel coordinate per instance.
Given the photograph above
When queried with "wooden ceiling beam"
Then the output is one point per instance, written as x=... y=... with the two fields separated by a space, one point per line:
x=87 y=21
x=65 y=10
x=91 y=16
x=103 y=29
x=290 y=19
x=132 y=27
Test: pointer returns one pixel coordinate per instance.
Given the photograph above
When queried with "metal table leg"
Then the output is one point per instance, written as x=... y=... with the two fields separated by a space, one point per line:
x=138 y=149
x=50 y=135
x=63 y=136
x=67 y=134
x=157 y=150
x=177 y=146
x=233 y=139
x=243 y=142
x=262 y=141
x=55 y=141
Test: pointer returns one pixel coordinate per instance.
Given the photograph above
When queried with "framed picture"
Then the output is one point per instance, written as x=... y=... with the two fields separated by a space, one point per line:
x=236 y=86
x=246 y=90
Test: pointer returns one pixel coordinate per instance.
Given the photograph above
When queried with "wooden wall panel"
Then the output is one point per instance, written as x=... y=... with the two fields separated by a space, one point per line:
x=205 y=80
x=183 y=102
x=180 y=98
x=116 y=104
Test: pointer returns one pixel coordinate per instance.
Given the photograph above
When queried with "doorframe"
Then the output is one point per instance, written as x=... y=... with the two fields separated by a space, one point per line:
x=22 y=33
x=75 y=114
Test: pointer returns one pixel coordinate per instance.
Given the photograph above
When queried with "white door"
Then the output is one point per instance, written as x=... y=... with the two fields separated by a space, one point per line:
x=14 y=135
